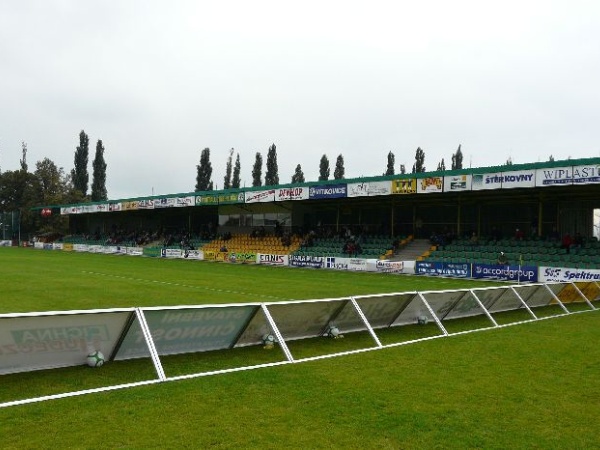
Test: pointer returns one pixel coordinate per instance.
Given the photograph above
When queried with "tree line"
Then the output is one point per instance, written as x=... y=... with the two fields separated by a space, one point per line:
x=271 y=178
x=21 y=190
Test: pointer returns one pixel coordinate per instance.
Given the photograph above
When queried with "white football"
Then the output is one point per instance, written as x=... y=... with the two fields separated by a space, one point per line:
x=95 y=359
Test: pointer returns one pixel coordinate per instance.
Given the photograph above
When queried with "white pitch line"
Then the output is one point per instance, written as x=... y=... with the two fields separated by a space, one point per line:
x=167 y=283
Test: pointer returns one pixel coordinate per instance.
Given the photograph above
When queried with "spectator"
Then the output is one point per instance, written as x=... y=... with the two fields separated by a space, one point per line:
x=502 y=259
x=474 y=239
x=566 y=242
x=519 y=234
x=577 y=243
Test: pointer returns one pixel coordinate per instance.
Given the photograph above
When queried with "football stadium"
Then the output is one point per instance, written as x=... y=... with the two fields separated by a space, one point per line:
x=453 y=309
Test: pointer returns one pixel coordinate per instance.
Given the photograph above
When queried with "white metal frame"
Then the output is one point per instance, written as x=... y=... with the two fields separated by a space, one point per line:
x=289 y=357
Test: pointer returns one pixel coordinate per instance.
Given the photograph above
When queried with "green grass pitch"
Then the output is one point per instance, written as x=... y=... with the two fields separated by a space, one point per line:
x=533 y=385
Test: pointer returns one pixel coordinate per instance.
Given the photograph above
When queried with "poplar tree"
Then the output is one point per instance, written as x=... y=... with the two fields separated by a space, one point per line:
x=228 y=168
x=257 y=170
x=324 y=170
x=235 y=182
x=99 y=174
x=419 y=165
x=204 y=172
x=441 y=166
x=298 y=176
x=457 y=159
x=391 y=161
x=338 y=173
x=79 y=174
x=272 y=174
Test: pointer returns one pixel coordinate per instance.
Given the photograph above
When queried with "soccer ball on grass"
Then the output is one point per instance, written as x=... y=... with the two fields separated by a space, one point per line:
x=95 y=359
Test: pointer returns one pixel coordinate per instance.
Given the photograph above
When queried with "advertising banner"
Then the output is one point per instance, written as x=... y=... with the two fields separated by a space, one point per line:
x=187 y=330
x=565 y=274
x=518 y=179
x=164 y=202
x=242 y=257
x=170 y=253
x=292 y=193
x=358 y=265
x=326 y=191
x=113 y=207
x=273 y=260
x=182 y=202
x=146 y=204
x=134 y=251
x=332 y=262
x=405 y=186
x=316 y=262
x=231 y=197
x=460 y=270
x=486 y=181
x=207 y=199
x=192 y=254
x=507 y=180
x=369 y=188
x=389 y=266
x=43 y=342
x=101 y=207
x=260 y=196
x=130 y=206
x=522 y=274
x=430 y=185
x=560 y=176
x=457 y=183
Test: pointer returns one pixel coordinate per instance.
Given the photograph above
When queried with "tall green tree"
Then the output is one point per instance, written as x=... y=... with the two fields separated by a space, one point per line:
x=23 y=160
x=99 y=192
x=79 y=175
x=402 y=169
x=52 y=188
x=257 y=170
x=298 y=176
x=235 y=182
x=272 y=174
x=457 y=159
x=391 y=161
x=204 y=172
x=419 y=165
x=441 y=166
x=509 y=161
x=228 y=169
x=551 y=158
x=324 y=170
x=339 y=171
x=51 y=183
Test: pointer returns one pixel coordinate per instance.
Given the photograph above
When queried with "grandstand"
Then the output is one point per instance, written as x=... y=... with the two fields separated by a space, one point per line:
x=370 y=218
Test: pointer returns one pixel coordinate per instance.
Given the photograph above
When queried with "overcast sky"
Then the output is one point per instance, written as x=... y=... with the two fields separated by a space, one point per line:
x=159 y=81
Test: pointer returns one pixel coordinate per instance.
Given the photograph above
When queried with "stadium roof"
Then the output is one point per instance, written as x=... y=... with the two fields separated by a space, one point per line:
x=406 y=176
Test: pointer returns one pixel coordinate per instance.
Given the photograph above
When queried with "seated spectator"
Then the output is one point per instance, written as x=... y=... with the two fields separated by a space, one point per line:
x=566 y=242
x=519 y=234
x=502 y=259
x=474 y=239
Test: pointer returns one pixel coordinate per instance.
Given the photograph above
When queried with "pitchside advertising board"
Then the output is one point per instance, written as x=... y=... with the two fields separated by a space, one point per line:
x=461 y=270
x=61 y=340
x=563 y=274
x=523 y=274
x=187 y=330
